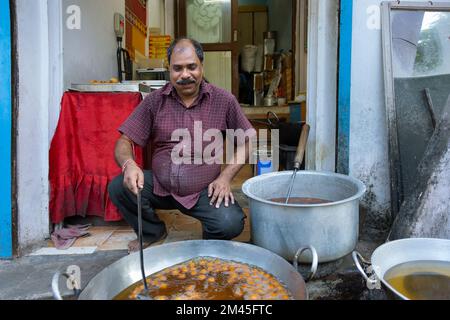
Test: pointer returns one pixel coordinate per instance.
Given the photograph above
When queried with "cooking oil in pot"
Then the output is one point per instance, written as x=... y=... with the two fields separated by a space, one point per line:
x=421 y=280
x=209 y=278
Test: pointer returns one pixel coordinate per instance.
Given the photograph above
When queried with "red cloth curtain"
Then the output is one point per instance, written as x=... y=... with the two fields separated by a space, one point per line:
x=82 y=153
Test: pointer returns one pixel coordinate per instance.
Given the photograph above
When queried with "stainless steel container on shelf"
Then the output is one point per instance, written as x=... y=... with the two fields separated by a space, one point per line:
x=270 y=38
x=270 y=101
x=332 y=228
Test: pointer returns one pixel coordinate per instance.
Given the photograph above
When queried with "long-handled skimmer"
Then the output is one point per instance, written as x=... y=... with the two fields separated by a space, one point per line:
x=298 y=157
x=144 y=295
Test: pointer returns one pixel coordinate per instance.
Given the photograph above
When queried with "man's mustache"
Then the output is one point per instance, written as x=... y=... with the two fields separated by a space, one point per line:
x=185 y=82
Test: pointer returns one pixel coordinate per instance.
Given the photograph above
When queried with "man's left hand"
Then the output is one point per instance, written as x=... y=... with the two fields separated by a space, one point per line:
x=220 y=191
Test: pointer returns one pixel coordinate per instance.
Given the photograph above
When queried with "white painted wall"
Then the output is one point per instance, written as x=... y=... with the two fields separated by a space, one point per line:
x=301 y=58
x=90 y=53
x=155 y=14
x=169 y=13
x=322 y=85
x=56 y=63
x=368 y=128
x=155 y=19
x=33 y=117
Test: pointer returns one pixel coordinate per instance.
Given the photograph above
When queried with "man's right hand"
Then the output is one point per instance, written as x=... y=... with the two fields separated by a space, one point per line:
x=133 y=177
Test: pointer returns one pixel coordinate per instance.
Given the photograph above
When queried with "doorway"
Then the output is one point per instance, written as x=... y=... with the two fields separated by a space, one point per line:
x=267 y=46
x=214 y=25
x=233 y=33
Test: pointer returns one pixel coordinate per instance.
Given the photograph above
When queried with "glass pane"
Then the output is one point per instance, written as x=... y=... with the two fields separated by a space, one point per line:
x=421 y=74
x=217 y=66
x=209 y=21
x=420 y=43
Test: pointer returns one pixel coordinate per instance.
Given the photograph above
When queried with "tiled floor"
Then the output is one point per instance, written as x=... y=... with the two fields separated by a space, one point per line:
x=179 y=226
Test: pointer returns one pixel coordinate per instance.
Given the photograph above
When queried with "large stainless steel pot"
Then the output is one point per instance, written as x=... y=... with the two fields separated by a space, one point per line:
x=394 y=253
x=125 y=272
x=331 y=228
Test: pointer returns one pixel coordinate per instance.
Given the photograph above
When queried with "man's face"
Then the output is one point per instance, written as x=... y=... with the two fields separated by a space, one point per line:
x=186 y=70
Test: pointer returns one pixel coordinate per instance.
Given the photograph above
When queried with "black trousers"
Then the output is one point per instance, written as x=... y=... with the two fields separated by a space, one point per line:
x=224 y=223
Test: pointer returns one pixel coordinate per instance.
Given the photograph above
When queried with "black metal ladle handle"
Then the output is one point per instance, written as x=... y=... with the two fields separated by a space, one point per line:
x=140 y=236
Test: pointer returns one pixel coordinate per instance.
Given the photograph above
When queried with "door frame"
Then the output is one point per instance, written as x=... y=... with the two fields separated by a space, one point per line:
x=181 y=31
x=7 y=169
x=344 y=86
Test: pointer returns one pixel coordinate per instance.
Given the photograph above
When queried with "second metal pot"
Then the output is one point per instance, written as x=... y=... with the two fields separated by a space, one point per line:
x=332 y=228
x=395 y=253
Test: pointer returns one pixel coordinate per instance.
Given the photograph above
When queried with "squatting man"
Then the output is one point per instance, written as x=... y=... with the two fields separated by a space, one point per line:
x=200 y=189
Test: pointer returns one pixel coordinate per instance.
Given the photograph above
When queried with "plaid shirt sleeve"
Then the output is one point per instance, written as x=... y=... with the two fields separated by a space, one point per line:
x=138 y=125
x=236 y=118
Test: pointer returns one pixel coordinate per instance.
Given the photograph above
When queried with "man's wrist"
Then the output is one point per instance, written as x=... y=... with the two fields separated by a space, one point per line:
x=127 y=163
x=227 y=176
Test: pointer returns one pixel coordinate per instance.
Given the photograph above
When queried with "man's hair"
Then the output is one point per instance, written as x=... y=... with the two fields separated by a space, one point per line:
x=197 y=46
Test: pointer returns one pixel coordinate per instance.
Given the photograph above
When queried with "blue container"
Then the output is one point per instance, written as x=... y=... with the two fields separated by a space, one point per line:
x=263 y=167
x=295 y=112
x=263 y=164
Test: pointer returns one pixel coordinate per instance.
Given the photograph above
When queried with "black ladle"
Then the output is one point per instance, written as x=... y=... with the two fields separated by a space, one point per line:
x=144 y=295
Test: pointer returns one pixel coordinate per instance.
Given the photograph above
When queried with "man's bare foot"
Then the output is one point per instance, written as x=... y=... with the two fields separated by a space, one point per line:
x=133 y=245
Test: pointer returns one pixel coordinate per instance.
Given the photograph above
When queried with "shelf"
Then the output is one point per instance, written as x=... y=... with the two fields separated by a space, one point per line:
x=151 y=70
x=260 y=112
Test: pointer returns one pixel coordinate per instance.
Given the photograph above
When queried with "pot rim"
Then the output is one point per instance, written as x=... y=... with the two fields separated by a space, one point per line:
x=361 y=188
